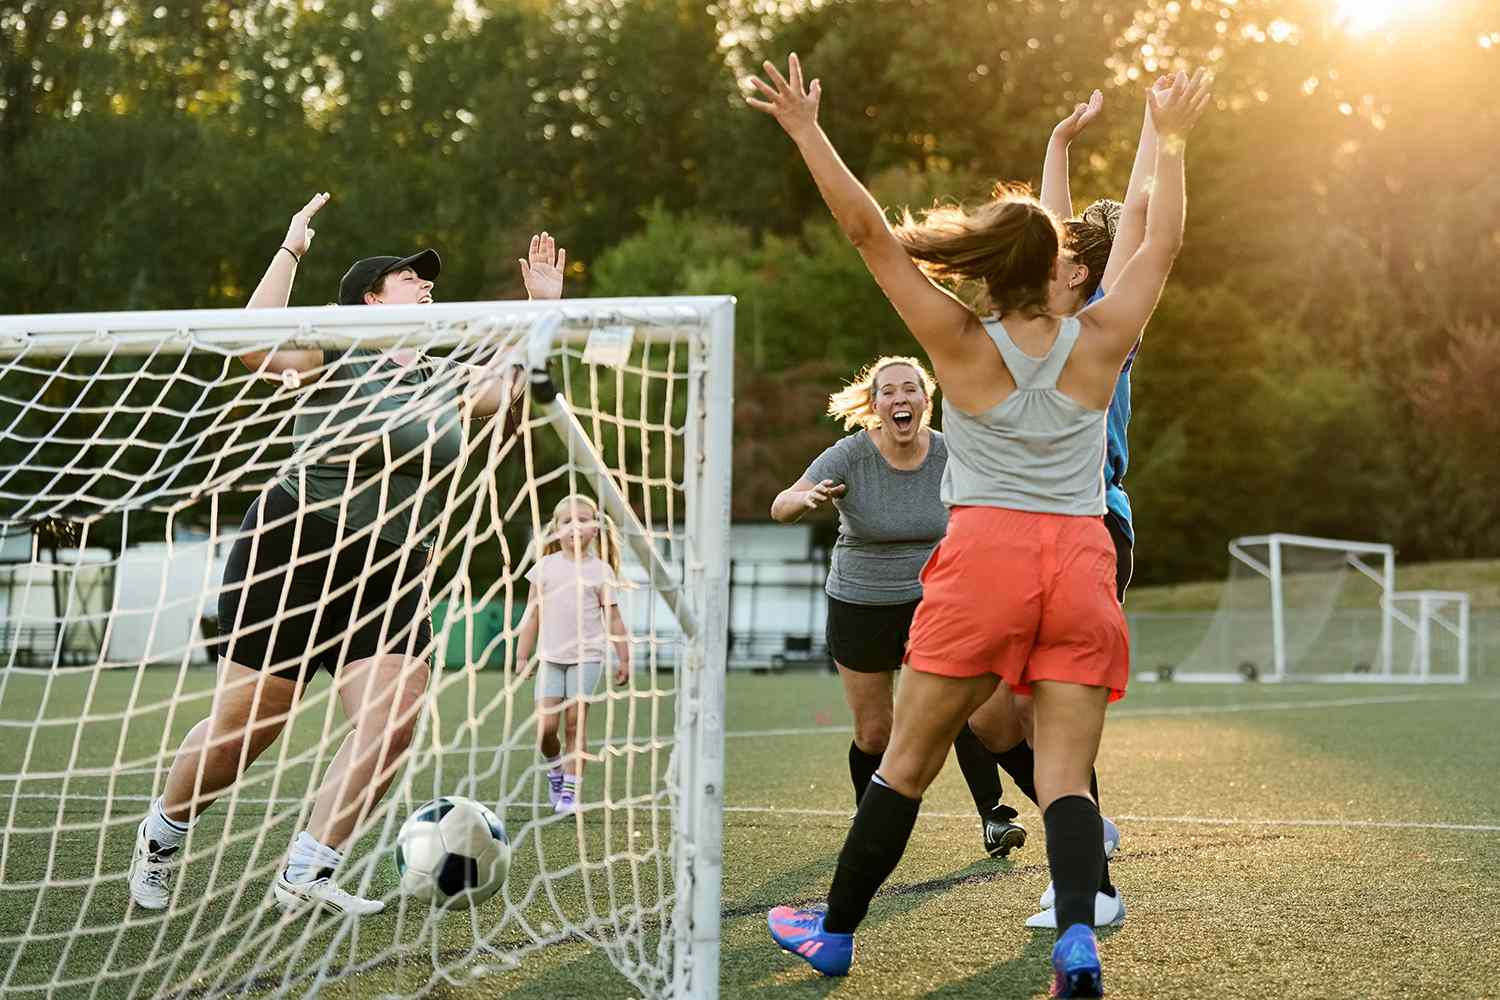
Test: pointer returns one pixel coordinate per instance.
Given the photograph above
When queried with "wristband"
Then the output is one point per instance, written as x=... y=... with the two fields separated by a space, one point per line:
x=290 y=251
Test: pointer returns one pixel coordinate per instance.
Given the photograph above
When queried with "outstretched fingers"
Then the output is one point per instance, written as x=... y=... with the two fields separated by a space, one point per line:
x=776 y=77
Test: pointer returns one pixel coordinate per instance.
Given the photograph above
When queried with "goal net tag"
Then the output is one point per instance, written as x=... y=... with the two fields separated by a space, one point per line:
x=609 y=346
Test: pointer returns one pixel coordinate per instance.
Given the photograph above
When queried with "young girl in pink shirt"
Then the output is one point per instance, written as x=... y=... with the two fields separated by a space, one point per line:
x=572 y=618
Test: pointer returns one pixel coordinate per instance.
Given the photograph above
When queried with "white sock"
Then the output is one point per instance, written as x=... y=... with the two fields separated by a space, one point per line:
x=161 y=829
x=554 y=764
x=309 y=858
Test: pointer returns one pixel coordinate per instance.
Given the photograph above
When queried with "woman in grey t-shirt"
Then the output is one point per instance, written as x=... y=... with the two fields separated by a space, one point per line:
x=885 y=480
x=330 y=572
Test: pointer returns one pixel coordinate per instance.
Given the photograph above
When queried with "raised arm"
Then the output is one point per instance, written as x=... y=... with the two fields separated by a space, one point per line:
x=543 y=267
x=275 y=290
x=1057 y=196
x=1132 y=230
x=1118 y=319
x=936 y=318
x=493 y=386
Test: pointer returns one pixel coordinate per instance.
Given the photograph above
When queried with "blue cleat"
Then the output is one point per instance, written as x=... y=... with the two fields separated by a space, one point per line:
x=1075 y=964
x=801 y=933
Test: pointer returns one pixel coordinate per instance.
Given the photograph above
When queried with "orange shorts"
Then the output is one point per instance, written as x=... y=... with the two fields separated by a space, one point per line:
x=1030 y=597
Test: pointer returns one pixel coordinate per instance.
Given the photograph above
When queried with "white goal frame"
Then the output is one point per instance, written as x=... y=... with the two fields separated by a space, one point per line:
x=1429 y=614
x=698 y=602
x=1384 y=577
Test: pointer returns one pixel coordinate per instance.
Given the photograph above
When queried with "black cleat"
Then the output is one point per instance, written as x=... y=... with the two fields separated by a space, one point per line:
x=1001 y=833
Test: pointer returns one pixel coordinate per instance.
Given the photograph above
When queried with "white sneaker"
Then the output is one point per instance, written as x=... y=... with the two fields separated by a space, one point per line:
x=1111 y=844
x=566 y=804
x=323 y=894
x=151 y=872
x=1109 y=911
x=554 y=788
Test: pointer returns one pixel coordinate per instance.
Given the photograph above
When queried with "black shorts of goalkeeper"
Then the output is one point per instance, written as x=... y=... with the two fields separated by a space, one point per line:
x=299 y=595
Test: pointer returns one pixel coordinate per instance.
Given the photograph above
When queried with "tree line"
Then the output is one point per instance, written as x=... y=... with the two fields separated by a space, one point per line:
x=1323 y=361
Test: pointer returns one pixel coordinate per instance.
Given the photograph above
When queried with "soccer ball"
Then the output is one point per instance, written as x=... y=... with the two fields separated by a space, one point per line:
x=452 y=852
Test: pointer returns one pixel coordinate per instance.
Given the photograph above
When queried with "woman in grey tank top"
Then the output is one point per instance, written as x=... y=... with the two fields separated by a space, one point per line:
x=1021 y=589
x=885 y=479
x=329 y=572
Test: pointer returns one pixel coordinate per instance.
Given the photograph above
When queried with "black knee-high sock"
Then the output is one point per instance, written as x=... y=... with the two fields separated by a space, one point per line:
x=1075 y=853
x=862 y=767
x=871 y=852
x=978 y=766
x=1105 y=885
x=1020 y=763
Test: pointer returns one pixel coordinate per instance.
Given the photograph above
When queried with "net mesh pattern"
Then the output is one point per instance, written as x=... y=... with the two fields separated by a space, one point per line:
x=129 y=460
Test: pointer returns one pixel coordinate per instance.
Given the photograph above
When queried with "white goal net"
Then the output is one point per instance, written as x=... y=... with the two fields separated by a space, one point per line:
x=132 y=446
x=1298 y=608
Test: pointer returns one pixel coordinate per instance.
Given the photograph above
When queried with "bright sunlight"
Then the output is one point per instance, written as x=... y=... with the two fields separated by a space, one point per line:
x=1360 y=16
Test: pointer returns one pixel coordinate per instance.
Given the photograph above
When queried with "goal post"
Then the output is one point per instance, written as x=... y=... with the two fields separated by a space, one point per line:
x=1431 y=636
x=144 y=434
x=1357 y=556
x=1295 y=607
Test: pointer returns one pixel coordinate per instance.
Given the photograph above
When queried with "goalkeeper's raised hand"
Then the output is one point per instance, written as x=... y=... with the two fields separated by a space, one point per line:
x=299 y=233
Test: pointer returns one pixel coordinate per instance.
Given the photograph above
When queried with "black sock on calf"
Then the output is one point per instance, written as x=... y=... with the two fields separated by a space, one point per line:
x=1075 y=853
x=980 y=771
x=871 y=852
x=862 y=767
x=1020 y=763
x=1105 y=885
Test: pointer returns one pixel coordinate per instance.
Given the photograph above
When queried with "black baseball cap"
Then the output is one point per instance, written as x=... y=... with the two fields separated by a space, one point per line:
x=364 y=273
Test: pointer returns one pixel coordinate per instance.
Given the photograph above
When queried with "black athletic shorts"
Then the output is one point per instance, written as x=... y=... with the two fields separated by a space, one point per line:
x=1124 y=554
x=377 y=601
x=869 y=638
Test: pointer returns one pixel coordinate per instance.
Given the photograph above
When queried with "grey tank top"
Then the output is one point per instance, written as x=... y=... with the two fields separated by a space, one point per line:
x=1036 y=450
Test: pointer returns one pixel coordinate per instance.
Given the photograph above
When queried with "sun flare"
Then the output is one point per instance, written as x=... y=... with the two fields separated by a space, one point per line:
x=1360 y=16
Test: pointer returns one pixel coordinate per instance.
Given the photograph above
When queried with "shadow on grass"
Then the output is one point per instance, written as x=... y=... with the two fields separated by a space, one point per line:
x=758 y=968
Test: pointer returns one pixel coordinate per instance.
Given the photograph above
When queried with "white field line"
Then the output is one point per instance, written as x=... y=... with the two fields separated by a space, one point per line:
x=966 y=817
x=1118 y=713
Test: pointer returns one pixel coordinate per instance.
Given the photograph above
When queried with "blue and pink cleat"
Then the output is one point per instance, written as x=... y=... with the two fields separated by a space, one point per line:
x=1075 y=964
x=801 y=933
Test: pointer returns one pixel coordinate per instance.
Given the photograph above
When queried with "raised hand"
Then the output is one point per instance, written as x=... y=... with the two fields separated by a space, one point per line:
x=1174 y=110
x=299 y=234
x=1072 y=126
x=794 y=106
x=822 y=493
x=542 y=270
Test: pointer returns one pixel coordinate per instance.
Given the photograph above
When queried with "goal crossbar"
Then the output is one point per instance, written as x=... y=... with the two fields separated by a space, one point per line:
x=230 y=330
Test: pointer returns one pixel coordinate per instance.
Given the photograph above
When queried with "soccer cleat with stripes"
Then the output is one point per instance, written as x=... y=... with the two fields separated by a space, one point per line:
x=1075 y=964
x=322 y=894
x=1111 y=844
x=151 y=871
x=801 y=933
x=554 y=788
x=1002 y=834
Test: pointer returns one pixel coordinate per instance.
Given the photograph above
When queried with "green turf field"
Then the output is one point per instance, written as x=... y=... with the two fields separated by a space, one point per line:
x=1292 y=841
